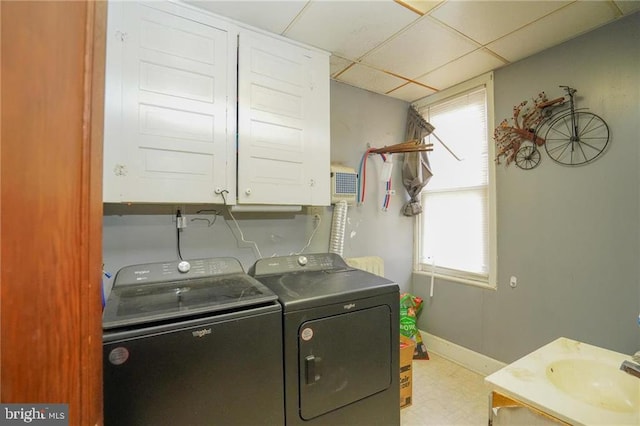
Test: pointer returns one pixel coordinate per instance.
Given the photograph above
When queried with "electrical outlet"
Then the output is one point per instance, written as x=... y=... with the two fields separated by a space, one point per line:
x=315 y=211
x=174 y=215
x=181 y=222
x=513 y=282
x=180 y=218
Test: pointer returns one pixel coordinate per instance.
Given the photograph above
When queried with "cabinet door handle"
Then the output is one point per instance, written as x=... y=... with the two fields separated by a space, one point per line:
x=120 y=170
x=121 y=35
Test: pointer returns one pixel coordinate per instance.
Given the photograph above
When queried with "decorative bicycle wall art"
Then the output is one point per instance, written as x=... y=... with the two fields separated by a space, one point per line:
x=572 y=136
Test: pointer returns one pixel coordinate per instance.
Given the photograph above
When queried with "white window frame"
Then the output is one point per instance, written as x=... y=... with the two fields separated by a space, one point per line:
x=489 y=282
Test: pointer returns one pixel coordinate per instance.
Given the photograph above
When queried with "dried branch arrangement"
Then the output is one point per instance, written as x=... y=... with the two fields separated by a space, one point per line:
x=510 y=133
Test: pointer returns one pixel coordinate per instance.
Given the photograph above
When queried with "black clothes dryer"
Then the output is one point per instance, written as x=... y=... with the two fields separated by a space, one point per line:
x=341 y=340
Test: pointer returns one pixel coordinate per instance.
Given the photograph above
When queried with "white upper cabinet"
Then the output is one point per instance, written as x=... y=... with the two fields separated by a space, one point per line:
x=199 y=109
x=170 y=105
x=283 y=122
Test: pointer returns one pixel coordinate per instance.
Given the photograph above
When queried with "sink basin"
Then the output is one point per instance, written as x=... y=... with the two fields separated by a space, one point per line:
x=574 y=382
x=596 y=382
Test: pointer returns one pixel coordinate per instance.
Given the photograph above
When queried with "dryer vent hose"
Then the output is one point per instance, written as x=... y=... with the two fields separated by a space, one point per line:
x=338 y=225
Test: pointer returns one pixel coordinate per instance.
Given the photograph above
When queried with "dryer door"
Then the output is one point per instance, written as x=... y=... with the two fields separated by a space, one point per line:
x=343 y=359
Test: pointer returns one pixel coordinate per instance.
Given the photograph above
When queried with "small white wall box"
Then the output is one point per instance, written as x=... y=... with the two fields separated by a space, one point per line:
x=344 y=184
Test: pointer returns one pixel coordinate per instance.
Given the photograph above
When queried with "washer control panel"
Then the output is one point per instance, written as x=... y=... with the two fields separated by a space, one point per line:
x=183 y=269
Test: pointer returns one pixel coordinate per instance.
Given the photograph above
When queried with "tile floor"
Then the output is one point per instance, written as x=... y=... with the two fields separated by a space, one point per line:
x=444 y=393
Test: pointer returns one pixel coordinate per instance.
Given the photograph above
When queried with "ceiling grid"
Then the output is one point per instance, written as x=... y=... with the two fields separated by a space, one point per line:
x=410 y=49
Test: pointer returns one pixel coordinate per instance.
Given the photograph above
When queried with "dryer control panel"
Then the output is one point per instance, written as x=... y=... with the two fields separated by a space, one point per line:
x=298 y=263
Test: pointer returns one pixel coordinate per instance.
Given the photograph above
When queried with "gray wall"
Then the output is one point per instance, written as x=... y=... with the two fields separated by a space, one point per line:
x=146 y=233
x=569 y=234
x=360 y=119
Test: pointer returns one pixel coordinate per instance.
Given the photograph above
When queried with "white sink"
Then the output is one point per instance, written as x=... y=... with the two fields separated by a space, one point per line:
x=596 y=382
x=574 y=382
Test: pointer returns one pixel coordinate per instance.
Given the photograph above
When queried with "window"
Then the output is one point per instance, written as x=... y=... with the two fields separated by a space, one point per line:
x=456 y=231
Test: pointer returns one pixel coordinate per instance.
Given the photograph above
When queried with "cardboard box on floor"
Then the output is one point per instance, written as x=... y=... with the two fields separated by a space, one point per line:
x=407 y=347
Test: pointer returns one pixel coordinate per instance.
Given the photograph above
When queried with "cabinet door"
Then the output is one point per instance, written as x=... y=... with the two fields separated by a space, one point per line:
x=283 y=122
x=169 y=130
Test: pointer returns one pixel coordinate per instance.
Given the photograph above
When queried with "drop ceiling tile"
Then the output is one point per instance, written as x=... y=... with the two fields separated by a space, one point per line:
x=462 y=69
x=349 y=28
x=273 y=16
x=423 y=47
x=411 y=92
x=421 y=6
x=486 y=21
x=566 y=23
x=338 y=64
x=370 y=79
x=628 y=6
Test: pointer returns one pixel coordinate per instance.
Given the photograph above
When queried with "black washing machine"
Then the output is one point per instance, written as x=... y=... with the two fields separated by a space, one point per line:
x=340 y=340
x=192 y=343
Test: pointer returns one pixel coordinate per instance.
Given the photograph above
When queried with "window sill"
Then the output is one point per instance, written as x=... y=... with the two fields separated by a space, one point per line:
x=458 y=280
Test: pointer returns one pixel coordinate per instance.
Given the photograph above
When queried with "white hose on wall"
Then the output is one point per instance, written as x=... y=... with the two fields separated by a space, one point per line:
x=338 y=225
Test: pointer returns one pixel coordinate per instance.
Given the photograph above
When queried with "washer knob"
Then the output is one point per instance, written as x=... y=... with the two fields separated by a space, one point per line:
x=184 y=266
x=302 y=260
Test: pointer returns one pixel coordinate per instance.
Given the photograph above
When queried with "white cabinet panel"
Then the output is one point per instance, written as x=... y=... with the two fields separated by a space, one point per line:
x=169 y=133
x=283 y=122
x=175 y=76
x=176 y=82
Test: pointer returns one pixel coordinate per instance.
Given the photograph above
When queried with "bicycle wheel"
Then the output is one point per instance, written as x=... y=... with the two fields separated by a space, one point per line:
x=576 y=139
x=527 y=157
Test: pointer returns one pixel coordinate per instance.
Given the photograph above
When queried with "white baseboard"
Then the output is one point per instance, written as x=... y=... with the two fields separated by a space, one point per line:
x=467 y=358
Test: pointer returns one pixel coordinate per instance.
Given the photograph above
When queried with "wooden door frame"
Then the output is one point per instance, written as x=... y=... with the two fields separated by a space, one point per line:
x=51 y=205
